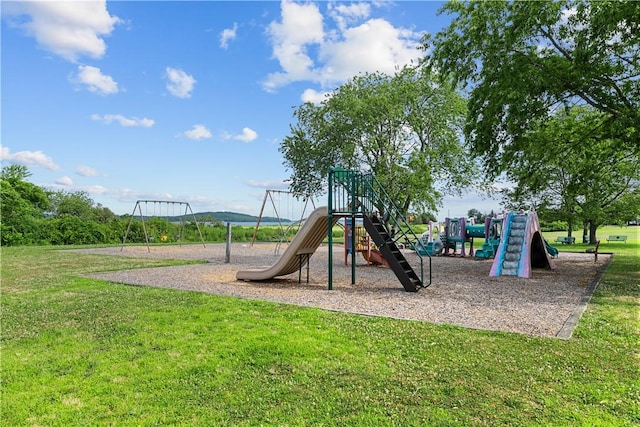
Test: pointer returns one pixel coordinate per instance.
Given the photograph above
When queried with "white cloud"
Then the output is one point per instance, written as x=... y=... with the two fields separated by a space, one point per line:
x=313 y=96
x=66 y=28
x=95 y=189
x=301 y=26
x=180 y=83
x=344 y=14
x=228 y=34
x=357 y=45
x=247 y=135
x=373 y=46
x=198 y=132
x=123 y=121
x=86 y=171
x=64 y=181
x=268 y=185
x=95 y=81
x=28 y=158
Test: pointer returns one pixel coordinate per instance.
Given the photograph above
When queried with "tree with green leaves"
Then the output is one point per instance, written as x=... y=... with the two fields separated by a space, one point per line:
x=571 y=168
x=77 y=203
x=522 y=61
x=23 y=207
x=77 y=219
x=478 y=216
x=32 y=215
x=404 y=128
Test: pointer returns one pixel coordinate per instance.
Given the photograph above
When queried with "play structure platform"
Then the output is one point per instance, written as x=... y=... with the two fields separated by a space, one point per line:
x=304 y=244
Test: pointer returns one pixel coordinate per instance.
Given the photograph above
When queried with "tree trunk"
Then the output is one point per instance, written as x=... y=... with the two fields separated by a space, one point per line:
x=593 y=227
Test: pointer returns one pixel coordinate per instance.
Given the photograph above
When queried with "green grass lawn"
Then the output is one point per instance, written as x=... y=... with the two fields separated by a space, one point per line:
x=79 y=351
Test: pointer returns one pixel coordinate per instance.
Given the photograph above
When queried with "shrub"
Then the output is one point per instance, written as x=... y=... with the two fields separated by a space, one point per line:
x=554 y=226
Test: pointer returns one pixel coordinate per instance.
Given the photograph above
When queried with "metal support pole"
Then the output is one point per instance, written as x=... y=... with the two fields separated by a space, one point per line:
x=195 y=221
x=353 y=249
x=330 y=229
x=144 y=228
x=255 y=232
x=124 y=240
x=227 y=256
x=354 y=207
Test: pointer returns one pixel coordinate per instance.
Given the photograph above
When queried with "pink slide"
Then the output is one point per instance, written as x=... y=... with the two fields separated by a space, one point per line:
x=304 y=244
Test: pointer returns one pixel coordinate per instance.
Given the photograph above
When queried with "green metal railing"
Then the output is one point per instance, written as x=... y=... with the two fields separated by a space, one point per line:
x=353 y=194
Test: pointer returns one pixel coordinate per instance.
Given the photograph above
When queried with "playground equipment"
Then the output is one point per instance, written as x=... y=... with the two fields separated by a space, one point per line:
x=289 y=199
x=427 y=244
x=154 y=208
x=513 y=240
x=452 y=234
x=456 y=231
x=299 y=251
x=353 y=195
x=522 y=247
x=492 y=236
x=363 y=244
x=356 y=195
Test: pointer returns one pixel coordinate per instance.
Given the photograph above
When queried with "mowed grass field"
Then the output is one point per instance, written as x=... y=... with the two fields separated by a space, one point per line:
x=78 y=351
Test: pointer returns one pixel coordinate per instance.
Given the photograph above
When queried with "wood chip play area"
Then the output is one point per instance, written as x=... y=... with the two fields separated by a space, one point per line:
x=461 y=293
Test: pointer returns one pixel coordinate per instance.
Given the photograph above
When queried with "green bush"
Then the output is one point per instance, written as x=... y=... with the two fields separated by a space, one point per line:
x=72 y=230
x=546 y=226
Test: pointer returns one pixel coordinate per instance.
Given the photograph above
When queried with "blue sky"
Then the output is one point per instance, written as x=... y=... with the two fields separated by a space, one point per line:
x=185 y=101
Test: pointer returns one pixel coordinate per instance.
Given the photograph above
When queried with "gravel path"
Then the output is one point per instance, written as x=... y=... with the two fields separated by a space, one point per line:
x=462 y=293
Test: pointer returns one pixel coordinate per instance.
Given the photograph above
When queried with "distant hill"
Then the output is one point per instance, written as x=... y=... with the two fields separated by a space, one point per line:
x=223 y=217
x=236 y=217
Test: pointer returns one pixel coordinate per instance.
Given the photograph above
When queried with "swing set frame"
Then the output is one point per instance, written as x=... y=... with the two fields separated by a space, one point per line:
x=160 y=203
x=268 y=195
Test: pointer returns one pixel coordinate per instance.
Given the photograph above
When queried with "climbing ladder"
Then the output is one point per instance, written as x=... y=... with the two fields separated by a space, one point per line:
x=516 y=235
x=390 y=251
x=360 y=195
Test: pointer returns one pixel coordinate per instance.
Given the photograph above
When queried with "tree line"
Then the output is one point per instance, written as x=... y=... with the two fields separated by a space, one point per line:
x=32 y=215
